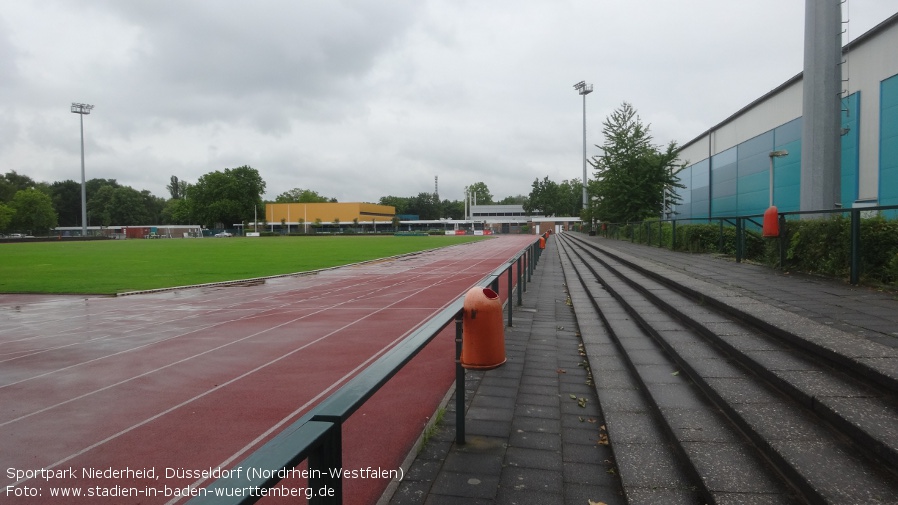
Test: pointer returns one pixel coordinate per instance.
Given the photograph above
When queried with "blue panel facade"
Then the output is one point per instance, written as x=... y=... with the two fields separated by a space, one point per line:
x=850 y=148
x=723 y=183
x=701 y=189
x=685 y=205
x=888 y=142
x=787 y=170
x=787 y=178
x=753 y=163
x=737 y=181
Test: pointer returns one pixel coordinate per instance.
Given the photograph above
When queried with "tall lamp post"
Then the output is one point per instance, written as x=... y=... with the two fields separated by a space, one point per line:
x=82 y=109
x=584 y=89
x=771 y=215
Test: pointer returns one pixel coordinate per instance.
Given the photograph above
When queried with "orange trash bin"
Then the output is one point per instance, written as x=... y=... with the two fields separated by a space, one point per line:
x=483 y=330
x=771 y=222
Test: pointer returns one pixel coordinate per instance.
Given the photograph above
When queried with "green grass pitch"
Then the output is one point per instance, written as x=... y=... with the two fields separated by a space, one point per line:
x=115 y=266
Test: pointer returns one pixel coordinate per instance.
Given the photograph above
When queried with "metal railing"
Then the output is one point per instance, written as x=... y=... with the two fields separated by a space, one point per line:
x=317 y=435
x=740 y=223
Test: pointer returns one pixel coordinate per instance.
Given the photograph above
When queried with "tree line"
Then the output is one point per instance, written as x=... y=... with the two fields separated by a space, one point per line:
x=217 y=199
x=633 y=180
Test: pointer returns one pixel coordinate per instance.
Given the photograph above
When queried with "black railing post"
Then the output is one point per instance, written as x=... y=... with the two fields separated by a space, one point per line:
x=530 y=264
x=782 y=239
x=720 y=248
x=673 y=235
x=855 y=246
x=509 y=301
x=739 y=225
x=459 y=384
x=522 y=279
x=522 y=261
x=325 y=461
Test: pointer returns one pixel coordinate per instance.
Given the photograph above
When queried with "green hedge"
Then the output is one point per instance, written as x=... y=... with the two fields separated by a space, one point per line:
x=818 y=246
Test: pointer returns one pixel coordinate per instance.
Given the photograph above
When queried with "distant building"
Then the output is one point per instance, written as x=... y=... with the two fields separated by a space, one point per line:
x=512 y=219
x=295 y=214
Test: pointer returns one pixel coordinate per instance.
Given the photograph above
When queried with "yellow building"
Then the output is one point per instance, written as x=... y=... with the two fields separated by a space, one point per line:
x=298 y=213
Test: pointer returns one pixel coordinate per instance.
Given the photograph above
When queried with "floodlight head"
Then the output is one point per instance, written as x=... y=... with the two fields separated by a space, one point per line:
x=580 y=85
x=586 y=89
x=81 y=108
x=778 y=154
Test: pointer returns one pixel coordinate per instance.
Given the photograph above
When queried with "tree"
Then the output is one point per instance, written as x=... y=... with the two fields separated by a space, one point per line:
x=513 y=200
x=299 y=195
x=634 y=179
x=543 y=197
x=570 y=197
x=6 y=215
x=66 y=196
x=225 y=198
x=425 y=206
x=11 y=183
x=154 y=205
x=128 y=207
x=33 y=212
x=453 y=209
x=400 y=203
x=99 y=205
x=481 y=193
x=177 y=188
x=176 y=212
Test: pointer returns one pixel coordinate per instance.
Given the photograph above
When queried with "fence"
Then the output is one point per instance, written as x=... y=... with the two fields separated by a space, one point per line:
x=648 y=228
x=317 y=436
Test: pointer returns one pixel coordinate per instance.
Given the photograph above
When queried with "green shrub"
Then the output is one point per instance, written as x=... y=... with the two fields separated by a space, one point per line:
x=817 y=246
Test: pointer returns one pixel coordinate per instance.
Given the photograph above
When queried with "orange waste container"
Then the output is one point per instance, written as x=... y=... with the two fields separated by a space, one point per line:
x=771 y=222
x=542 y=242
x=483 y=330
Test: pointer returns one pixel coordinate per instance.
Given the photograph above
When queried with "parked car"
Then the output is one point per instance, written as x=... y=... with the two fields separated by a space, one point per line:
x=223 y=234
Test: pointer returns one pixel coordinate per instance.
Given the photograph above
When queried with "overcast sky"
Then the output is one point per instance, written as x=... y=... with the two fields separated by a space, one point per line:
x=359 y=99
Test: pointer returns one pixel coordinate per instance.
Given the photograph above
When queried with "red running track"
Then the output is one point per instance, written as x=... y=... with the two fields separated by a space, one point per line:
x=198 y=378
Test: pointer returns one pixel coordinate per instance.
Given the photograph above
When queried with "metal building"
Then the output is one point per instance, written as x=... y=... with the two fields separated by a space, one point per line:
x=728 y=167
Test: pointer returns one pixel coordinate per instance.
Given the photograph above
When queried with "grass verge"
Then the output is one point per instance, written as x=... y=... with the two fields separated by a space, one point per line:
x=115 y=266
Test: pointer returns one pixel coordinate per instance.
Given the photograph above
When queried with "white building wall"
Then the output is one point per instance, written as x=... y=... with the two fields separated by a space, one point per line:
x=867 y=65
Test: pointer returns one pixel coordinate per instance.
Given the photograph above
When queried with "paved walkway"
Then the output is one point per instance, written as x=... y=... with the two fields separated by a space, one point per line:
x=860 y=310
x=534 y=427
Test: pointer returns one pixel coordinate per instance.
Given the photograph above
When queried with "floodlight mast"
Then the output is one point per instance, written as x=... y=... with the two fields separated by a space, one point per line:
x=81 y=109
x=584 y=89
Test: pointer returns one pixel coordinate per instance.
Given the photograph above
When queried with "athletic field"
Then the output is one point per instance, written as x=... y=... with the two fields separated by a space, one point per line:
x=130 y=399
x=116 y=266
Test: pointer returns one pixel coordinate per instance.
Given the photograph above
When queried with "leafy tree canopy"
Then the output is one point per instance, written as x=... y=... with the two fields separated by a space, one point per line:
x=226 y=197
x=481 y=193
x=177 y=188
x=299 y=195
x=634 y=179
x=400 y=203
x=33 y=212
